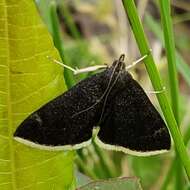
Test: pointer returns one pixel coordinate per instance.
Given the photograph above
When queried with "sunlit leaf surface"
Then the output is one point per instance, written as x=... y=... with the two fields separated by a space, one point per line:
x=27 y=81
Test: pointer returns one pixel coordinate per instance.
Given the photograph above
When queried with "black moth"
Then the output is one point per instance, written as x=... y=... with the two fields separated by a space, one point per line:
x=112 y=100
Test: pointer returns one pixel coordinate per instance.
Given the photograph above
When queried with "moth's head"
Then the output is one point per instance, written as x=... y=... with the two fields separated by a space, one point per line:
x=119 y=64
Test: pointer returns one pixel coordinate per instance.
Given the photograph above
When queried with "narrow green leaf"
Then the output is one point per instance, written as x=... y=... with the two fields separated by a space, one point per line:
x=166 y=20
x=145 y=167
x=69 y=21
x=169 y=175
x=182 y=66
x=27 y=81
x=56 y=32
x=165 y=11
x=154 y=75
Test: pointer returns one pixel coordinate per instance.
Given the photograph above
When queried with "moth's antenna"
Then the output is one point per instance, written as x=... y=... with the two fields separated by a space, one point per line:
x=121 y=59
x=104 y=105
x=107 y=90
x=76 y=70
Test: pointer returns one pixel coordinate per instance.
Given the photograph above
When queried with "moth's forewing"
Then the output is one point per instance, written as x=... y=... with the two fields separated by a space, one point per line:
x=55 y=125
x=131 y=123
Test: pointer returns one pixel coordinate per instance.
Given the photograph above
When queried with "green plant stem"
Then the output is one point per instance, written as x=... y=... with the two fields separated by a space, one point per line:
x=104 y=161
x=166 y=21
x=181 y=18
x=179 y=182
x=182 y=67
x=185 y=71
x=171 y=55
x=68 y=75
x=187 y=135
x=69 y=21
x=169 y=175
x=174 y=163
x=85 y=168
x=154 y=75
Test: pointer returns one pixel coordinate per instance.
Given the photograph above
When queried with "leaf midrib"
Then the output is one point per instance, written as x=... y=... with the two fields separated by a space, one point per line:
x=11 y=147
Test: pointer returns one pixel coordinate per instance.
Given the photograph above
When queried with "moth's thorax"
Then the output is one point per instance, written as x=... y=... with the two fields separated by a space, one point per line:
x=117 y=73
x=118 y=65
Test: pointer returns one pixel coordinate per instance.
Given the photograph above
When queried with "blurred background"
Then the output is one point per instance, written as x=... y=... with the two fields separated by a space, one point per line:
x=92 y=32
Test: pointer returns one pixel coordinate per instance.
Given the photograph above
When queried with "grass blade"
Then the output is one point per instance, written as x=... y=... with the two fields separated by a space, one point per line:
x=166 y=21
x=154 y=75
x=68 y=75
x=182 y=66
x=170 y=53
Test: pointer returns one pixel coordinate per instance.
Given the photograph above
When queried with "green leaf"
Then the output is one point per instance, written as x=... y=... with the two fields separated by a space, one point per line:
x=27 y=81
x=44 y=9
x=130 y=183
x=148 y=169
x=81 y=179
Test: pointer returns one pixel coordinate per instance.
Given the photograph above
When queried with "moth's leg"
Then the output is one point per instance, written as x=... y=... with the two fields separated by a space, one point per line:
x=156 y=91
x=133 y=64
x=77 y=70
x=89 y=69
